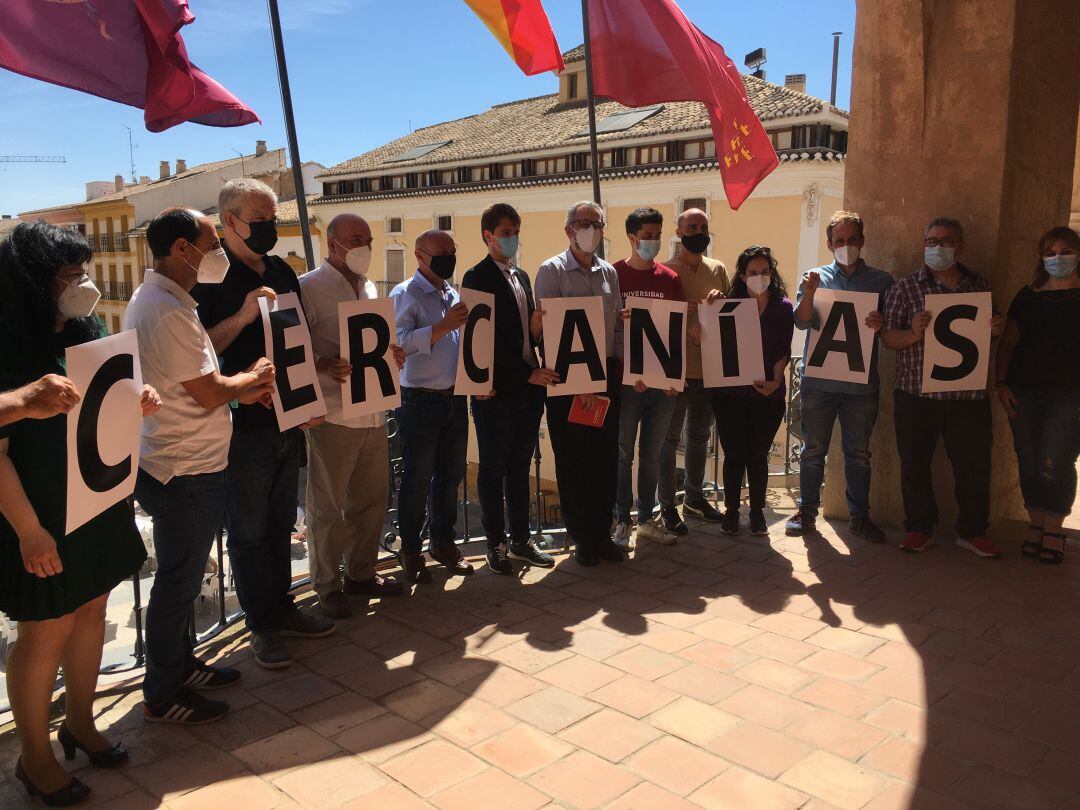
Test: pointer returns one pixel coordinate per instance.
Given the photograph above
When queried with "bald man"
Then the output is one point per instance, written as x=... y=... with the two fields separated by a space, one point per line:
x=432 y=420
x=347 y=486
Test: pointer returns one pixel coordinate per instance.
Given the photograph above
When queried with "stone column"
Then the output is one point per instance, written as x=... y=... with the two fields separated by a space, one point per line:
x=959 y=109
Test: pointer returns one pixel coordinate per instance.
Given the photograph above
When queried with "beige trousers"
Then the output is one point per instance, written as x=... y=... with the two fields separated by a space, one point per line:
x=346 y=502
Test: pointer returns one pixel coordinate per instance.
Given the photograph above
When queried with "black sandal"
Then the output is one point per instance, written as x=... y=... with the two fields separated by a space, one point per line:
x=1031 y=548
x=1052 y=556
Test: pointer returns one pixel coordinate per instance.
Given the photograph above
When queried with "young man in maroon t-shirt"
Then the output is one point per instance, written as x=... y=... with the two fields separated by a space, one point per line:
x=640 y=275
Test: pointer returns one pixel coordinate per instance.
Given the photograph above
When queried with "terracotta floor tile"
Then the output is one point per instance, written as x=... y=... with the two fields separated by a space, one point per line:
x=598 y=644
x=286 y=749
x=384 y=737
x=766 y=707
x=904 y=796
x=759 y=749
x=910 y=687
x=779 y=648
x=238 y=727
x=522 y=750
x=718 y=656
x=456 y=667
x=702 y=683
x=432 y=767
x=650 y=797
x=552 y=709
x=840 y=697
x=579 y=675
x=667 y=639
x=834 y=780
x=790 y=625
x=910 y=762
x=246 y=791
x=610 y=734
x=584 y=780
x=738 y=789
x=529 y=657
x=391 y=796
x=991 y=789
x=501 y=686
x=725 y=631
x=694 y=721
x=675 y=765
x=335 y=715
x=330 y=783
x=839 y=666
x=645 y=662
x=423 y=699
x=490 y=788
x=775 y=675
x=633 y=696
x=376 y=680
x=848 y=642
x=339 y=659
x=899 y=718
x=301 y=690
x=469 y=722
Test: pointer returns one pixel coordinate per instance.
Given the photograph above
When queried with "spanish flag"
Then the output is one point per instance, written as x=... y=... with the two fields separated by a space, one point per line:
x=523 y=29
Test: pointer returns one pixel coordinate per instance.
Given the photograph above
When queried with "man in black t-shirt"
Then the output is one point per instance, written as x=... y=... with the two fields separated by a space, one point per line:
x=261 y=481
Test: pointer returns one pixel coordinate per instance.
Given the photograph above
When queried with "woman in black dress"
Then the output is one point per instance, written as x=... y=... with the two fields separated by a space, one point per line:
x=54 y=586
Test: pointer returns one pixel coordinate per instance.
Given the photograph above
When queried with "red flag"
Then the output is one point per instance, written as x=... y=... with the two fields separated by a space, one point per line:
x=522 y=27
x=646 y=52
x=129 y=51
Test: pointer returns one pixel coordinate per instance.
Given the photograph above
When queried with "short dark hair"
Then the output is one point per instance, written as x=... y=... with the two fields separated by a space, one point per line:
x=642 y=216
x=1066 y=235
x=947 y=222
x=168 y=226
x=494 y=214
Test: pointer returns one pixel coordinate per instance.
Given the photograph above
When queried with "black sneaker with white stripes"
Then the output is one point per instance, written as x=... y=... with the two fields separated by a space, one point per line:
x=205 y=677
x=497 y=560
x=187 y=708
x=528 y=551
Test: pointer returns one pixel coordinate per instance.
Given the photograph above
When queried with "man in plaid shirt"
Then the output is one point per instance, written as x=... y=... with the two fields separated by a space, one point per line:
x=962 y=418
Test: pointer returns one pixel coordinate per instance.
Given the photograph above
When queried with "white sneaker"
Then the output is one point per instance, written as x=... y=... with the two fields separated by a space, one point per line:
x=652 y=530
x=622 y=535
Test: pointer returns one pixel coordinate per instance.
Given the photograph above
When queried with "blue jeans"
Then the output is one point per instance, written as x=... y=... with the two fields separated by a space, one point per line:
x=187 y=514
x=506 y=429
x=857 y=414
x=434 y=431
x=694 y=406
x=651 y=409
x=1046 y=435
x=261 y=489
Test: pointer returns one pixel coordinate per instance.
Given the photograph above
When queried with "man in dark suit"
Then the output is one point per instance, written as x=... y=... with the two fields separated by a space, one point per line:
x=508 y=419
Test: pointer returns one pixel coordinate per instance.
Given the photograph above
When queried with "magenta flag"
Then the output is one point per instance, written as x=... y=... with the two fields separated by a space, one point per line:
x=129 y=51
x=646 y=52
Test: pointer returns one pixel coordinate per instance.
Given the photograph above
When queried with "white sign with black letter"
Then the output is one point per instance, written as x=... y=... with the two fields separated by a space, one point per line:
x=476 y=352
x=654 y=343
x=368 y=330
x=575 y=345
x=956 y=354
x=297 y=393
x=841 y=345
x=103 y=429
x=731 y=352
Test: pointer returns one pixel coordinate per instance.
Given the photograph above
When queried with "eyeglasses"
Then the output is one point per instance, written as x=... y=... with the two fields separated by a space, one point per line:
x=586 y=224
x=948 y=242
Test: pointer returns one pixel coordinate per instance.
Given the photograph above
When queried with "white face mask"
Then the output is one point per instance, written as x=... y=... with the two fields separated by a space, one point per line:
x=78 y=298
x=758 y=284
x=587 y=240
x=847 y=255
x=648 y=249
x=939 y=258
x=358 y=259
x=212 y=267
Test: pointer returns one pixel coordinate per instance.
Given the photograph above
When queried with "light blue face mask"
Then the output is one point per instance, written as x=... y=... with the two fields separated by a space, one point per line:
x=648 y=249
x=508 y=245
x=1060 y=266
x=939 y=258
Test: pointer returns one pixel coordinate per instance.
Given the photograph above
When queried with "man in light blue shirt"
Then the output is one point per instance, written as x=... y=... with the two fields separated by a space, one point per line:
x=432 y=420
x=824 y=401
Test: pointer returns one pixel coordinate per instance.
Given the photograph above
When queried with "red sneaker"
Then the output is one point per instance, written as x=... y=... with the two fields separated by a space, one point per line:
x=980 y=546
x=916 y=542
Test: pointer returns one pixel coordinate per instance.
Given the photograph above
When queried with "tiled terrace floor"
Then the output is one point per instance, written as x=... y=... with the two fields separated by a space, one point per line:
x=724 y=672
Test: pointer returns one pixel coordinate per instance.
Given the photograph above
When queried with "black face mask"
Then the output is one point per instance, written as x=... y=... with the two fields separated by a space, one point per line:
x=443 y=266
x=696 y=242
x=263 y=236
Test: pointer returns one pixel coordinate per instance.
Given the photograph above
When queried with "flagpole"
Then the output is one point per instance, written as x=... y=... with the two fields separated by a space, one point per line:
x=290 y=132
x=592 y=112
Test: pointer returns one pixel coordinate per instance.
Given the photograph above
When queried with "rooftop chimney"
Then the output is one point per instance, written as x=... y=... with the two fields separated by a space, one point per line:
x=796 y=82
x=143 y=179
x=6 y=216
x=164 y=172
x=118 y=182
x=260 y=148
x=181 y=165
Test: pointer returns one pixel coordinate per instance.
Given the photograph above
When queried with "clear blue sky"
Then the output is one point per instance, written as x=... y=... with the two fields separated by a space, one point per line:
x=362 y=73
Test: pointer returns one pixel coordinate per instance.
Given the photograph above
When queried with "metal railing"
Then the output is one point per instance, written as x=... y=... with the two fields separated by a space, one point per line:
x=109 y=243
x=116 y=291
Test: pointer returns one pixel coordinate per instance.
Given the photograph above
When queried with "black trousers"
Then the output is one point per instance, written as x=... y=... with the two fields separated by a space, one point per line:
x=965 y=427
x=746 y=427
x=586 y=463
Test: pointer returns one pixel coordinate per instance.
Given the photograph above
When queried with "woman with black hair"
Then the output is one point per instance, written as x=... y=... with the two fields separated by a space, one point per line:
x=748 y=417
x=54 y=586
x=1040 y=391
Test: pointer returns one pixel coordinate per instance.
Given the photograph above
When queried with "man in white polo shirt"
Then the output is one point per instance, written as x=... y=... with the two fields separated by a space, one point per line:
x=347 y=485
x=185 y=449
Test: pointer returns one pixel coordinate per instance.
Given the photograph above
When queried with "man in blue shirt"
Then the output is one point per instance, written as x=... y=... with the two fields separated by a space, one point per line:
x=823 y=401
x=432 y=420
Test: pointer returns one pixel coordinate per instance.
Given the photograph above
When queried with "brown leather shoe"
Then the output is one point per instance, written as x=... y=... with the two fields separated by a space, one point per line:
x=376 y=587
x=415 y=568
x=453 y=559
x=335 y=605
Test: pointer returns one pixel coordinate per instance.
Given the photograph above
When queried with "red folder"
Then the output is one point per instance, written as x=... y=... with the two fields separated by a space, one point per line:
x=594 y=418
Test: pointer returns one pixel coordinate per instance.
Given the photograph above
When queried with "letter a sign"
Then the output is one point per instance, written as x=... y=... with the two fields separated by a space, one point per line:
x=957 y=350
x=731 y=343
x=574 y=344
x=841 y=344
x=103 y=429
x=477 y=345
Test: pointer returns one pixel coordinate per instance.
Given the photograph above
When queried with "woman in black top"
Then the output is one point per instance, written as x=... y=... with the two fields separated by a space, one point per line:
x=1039 y=387
x=54 y=585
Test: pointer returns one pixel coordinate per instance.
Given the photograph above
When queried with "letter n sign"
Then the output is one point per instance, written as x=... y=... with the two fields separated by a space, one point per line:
x=655 y=343
x=103 y=429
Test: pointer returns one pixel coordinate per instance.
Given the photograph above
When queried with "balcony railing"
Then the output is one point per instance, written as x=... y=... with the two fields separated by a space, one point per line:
x=109 y=243
x=116 y=291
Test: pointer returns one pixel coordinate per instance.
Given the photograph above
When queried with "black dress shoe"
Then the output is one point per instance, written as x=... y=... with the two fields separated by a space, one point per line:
x=107 y=758
x=415 y=568
x=376 y=587
x=610 y=552
x=586 y=558
x=75 y=792
x=673 y=522
x=453 y=560
x=865 y=528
